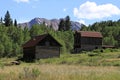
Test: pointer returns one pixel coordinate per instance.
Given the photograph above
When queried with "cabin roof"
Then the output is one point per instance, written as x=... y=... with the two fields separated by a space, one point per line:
x=90 y=34
x=35 y=40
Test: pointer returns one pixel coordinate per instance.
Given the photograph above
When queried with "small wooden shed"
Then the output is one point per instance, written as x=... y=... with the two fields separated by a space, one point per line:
x=87 y=40
x=42 y=46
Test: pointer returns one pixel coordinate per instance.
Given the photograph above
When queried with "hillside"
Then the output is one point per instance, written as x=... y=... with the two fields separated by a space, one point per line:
x=53 y=22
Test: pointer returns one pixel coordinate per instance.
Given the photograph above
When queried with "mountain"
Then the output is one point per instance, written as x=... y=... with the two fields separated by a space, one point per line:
x=53 y=22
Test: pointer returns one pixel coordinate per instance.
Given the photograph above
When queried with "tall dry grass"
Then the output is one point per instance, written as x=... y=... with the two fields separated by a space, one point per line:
x=60 y=72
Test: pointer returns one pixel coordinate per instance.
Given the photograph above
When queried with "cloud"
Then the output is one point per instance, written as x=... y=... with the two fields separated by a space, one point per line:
x=90 y=10
x=23 y=1
x=64 y=9
x=81 y=21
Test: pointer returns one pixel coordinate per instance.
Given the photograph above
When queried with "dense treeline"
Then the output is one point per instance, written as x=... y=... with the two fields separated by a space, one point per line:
x=109 y=29
x=12 y=37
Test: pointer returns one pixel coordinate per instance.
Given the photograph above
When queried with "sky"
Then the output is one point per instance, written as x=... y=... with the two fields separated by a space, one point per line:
x=83 y=11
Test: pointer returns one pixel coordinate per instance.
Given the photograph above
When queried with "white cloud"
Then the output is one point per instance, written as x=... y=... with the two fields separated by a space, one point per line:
x=64 y=9
x=81 y=21
x=90 y=10
x=24 y=1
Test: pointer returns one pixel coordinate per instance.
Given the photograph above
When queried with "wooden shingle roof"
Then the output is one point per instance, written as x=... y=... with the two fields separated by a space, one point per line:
x=34 y=41
x=90 y=34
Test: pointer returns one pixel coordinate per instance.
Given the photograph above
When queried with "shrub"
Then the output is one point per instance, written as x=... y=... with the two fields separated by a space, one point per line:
x=35 y=72
x=2 y=65
x=29 y=73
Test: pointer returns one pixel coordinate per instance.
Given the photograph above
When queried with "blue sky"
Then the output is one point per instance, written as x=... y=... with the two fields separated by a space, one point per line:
x=84 y=11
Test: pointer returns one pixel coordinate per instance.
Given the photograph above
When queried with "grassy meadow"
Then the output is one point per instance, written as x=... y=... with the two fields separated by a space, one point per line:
x=59 y=72
x=94 y=65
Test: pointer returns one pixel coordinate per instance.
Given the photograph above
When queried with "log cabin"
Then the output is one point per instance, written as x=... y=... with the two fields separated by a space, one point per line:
x=42 y=46
x=87 y=40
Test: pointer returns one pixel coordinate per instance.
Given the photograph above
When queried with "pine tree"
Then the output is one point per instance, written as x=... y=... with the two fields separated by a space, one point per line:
x=67 y=23
x=7 y=19
x=61 y=25
x=15 y=22
x=1 y=20
x=64 y=24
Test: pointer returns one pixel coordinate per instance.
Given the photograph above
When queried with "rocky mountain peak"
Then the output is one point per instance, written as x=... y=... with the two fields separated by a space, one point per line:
x=53 y=22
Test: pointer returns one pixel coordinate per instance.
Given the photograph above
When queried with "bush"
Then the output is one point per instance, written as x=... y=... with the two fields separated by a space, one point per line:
x=35 y=72
x=2 y=65
x=29 y=73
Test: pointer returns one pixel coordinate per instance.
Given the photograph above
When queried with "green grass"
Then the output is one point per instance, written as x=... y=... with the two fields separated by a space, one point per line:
x=59 y=72
x=94 y=65
x=109 y=57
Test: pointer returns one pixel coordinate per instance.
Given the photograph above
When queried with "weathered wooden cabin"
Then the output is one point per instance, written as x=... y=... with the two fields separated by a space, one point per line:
x=39 y=47
x=87 y=40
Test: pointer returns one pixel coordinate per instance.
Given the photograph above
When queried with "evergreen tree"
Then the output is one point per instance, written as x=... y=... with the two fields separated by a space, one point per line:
x=61 y=25
x=7 y=19
x=67 y=23
x=64 y=24
x=15 y=22
x=1 y=20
